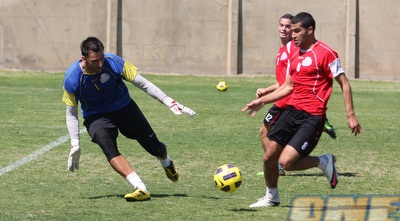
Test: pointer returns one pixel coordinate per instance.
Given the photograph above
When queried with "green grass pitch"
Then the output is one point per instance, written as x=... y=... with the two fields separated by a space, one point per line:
x=33 y=116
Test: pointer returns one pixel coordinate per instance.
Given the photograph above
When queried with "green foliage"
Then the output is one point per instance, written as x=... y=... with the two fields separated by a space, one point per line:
x=33 y=116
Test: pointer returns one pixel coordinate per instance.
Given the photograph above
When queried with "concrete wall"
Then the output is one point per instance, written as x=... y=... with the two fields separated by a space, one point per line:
x=380 y=39
x=218 y=37
x=45 y=34
x=176 y=36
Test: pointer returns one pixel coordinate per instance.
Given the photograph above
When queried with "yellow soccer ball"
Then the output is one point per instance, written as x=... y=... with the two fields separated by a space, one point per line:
x=228 y=178
x=222 y=86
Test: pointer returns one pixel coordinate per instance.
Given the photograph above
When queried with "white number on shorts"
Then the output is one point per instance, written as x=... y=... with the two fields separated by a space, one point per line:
x=268 y=117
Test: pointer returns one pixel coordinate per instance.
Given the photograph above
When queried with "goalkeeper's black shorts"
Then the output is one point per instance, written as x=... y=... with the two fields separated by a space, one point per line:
x=130 y=121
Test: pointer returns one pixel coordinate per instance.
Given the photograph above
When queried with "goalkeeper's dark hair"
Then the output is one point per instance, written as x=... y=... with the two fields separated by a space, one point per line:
x=91 y=44
x=306 y=20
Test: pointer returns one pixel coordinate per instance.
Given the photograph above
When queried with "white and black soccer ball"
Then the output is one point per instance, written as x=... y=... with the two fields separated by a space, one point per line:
x=222 y=86
x=228 y=178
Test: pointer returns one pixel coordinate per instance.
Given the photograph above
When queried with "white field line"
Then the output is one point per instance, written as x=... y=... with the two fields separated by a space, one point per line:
x=36 y=154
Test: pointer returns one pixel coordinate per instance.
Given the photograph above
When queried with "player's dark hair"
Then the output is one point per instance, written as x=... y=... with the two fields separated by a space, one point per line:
x=91 y=44
x=306 y=20
x=287 y=16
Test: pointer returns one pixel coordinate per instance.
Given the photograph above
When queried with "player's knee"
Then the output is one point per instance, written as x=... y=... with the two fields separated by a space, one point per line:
x=287 y=164
x=270 y=158
x=283 y=165
x=272 y=154
x=106 y=138
x=111 y=153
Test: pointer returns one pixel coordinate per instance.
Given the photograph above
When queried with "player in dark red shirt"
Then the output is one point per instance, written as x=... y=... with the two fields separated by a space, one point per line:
x=312 y=68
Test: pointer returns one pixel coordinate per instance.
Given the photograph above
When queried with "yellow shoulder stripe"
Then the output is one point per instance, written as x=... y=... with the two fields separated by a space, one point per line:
x=69 y=99
x=129 y=71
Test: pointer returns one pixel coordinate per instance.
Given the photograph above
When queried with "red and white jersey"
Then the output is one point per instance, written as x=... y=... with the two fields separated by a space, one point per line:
x=312 y=73
x=281 y=69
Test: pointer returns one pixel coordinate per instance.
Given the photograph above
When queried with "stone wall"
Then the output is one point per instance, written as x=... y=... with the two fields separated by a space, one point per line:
x=219 y=37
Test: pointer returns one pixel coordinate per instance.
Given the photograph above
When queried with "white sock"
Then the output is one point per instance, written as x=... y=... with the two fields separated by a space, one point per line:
x=272 y=193
x=323 y=161
x=136 y=182
x=165 y=162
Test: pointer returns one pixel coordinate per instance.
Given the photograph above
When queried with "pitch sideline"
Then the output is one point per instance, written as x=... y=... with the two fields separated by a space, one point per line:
x=36 y=154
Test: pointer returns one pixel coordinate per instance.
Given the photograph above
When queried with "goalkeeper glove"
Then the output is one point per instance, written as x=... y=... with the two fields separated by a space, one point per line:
x=178 y=108
x=73 y=159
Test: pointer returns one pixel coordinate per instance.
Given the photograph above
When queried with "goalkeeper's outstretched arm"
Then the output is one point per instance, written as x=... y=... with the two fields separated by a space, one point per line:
x=155 y=92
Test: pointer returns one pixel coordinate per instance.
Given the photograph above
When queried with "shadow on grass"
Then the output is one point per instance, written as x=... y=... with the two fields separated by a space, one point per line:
x=348 y=174
x=167 y=195
x=211 y=197
x=106 y=196
x=242 y=210
x=152 y=196
x=345 y=174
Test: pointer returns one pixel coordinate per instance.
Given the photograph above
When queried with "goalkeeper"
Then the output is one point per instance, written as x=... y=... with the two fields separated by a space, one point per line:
x=96 y=82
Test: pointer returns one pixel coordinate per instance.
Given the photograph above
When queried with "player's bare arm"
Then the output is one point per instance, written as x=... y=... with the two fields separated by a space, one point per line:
x=264 y=91
x=283 y=91
x=353 y=123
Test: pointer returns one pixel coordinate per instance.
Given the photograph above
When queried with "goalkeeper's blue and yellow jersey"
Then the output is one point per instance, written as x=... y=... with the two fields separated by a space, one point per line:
x=101 y=92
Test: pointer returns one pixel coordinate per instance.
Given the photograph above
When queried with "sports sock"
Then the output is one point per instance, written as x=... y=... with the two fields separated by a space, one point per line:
x=323 y=161
x=271 y=193
x=165 y=162
x=136 y=182
x=327 y=124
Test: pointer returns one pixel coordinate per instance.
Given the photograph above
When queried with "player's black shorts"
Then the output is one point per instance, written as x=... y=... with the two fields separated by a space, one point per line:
x=130 y=121
x=298 y=129
x=272 y=116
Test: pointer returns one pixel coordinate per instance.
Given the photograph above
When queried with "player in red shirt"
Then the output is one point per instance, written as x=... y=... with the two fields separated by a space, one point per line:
x=287 y=45
x=312 y=68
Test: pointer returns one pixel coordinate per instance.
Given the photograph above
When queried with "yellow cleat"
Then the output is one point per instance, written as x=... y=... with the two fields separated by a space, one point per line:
x=171 y=172
x=137 y=195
